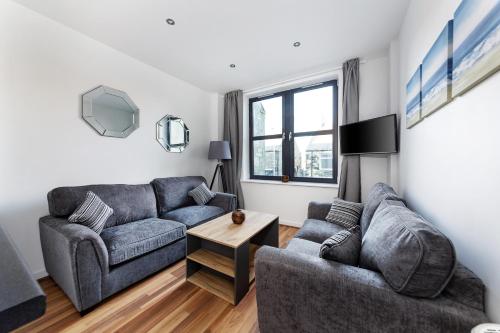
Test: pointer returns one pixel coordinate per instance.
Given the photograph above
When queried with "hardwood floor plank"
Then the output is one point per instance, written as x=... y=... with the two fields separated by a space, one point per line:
x=164 y=302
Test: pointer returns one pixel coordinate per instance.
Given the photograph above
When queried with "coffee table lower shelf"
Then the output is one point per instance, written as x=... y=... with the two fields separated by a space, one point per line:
x=214 y=284
x=222 y=284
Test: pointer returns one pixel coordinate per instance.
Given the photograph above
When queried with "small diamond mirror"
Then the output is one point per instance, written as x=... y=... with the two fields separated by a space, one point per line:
x=172 y=134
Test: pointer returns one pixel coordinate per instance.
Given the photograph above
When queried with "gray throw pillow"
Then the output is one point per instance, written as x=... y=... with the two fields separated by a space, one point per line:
x=92 y=213
x=413 y=256
x=345 y=213
x=378 y=193
x=201 y=194
x=343 y=247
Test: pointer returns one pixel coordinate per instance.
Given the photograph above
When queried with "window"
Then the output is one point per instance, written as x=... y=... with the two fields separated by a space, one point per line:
x=294 y=133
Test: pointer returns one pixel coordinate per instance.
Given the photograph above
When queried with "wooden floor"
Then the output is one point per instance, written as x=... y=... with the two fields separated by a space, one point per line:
x=164 y=302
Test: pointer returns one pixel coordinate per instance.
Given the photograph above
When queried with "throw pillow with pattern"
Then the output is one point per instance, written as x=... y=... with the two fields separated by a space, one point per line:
x=343 y=247
x=201 y=194
x=92 y=213
x=345 y=213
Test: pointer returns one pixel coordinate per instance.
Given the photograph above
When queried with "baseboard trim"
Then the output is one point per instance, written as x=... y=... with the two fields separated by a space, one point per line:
x=40 y=274
x=291 y=223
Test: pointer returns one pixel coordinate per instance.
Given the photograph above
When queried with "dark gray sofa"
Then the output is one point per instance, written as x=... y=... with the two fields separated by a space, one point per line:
x=297 y=291
x=145 y=234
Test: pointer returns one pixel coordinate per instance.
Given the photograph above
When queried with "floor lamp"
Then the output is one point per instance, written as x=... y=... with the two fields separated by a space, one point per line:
x=219 y=150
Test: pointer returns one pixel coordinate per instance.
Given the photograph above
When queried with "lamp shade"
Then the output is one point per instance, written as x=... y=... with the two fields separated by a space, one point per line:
x=219 y=150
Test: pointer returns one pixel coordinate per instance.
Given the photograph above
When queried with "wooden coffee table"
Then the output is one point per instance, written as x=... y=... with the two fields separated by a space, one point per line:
x=220 y=254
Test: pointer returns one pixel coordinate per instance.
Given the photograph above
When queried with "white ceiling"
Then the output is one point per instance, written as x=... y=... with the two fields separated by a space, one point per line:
x=256 y=35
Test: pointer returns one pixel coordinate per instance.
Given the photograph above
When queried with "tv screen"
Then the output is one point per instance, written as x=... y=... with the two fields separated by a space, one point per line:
x=373 y=136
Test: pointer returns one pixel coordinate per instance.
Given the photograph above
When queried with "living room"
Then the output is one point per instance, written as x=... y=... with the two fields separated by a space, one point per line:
x=265 y=166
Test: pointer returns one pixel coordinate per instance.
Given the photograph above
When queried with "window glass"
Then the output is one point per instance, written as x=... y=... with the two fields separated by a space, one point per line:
x=267 y=116
x=313 y=110
x=313 y=156
x=267 y=157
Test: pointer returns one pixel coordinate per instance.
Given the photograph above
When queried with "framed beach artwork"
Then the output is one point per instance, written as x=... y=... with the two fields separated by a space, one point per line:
x=476 y=43
x=414 y=98
x=436 y=72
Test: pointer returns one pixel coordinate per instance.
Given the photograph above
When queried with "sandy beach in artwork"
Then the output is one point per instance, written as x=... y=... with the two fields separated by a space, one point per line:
x=481 y=69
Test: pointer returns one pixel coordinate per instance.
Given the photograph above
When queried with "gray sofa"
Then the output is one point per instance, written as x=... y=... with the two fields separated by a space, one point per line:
x=145 y=234
x=297 y=291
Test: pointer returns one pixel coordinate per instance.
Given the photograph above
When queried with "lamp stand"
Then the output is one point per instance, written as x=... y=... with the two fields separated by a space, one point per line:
x=219 y=167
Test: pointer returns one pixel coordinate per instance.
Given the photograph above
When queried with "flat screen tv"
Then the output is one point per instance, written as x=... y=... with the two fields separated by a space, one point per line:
x=373 y=136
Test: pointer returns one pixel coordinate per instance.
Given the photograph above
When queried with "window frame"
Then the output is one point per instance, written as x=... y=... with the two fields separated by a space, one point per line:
x=287 y=150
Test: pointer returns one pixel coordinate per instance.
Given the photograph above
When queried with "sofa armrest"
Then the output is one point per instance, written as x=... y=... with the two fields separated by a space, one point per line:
x=225 y=201
x=318 y=210
x=301 y=293
x=76 y=258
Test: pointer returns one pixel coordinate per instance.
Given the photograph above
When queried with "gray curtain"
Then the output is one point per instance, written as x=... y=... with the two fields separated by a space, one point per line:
x=350 y=178
x=233 y=132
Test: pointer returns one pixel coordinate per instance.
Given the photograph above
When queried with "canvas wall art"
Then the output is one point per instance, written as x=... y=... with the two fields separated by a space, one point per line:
x=476 y=43
x=436 y=72
x=413 y=98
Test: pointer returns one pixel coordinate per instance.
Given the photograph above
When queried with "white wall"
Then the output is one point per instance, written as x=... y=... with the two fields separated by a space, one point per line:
x=449 y=163
x=290 y=201
x=44 y=69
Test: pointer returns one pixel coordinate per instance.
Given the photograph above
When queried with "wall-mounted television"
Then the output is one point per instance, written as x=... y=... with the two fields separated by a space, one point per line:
x=372 y=136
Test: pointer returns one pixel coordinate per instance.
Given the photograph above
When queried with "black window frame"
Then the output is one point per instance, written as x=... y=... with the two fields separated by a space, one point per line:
x=287 y=150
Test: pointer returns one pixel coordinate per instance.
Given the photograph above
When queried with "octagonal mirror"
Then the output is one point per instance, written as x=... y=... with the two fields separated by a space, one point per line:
x=172 y=134
x=110 y=112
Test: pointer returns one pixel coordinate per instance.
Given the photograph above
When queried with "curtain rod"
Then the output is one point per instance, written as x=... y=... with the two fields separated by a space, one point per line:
x=299 y=78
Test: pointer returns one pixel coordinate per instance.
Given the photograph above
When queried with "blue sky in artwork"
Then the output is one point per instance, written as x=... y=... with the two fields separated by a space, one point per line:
x=474 y=21
x=435 y=63
x=413 y=90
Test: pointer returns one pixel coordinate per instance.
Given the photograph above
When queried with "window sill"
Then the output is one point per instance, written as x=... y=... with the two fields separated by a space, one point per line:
x=276 y=182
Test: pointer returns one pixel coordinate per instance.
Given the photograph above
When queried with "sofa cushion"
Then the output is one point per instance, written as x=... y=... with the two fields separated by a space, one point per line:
x=378 y=193
x=466 y=288
x=129 y=202
x=317 y=230
x=413 y=256
x=201 y=194
x=128 y=241
x=343 y=247
x=193 y=215
x=92 y=213
x=172 y=193
x=303 y=246
x=345 y=213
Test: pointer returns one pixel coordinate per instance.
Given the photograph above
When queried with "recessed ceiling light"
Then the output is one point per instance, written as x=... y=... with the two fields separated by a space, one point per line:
x=232 y=66
x=170 y=21
x=296 y=44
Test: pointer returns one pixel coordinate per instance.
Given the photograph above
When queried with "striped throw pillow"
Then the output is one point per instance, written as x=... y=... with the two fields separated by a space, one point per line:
x=92 y=213
x=201 y=194
x=345 y=213
x=343 y=247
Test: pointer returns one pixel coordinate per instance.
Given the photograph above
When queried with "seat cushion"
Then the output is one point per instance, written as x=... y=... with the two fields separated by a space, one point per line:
x=172 y=193
x=193 y=215
x=378 y=193
x=413 y=256
x=317 y=230
x=128 y=241
x=129 y=202
x=304 y=246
